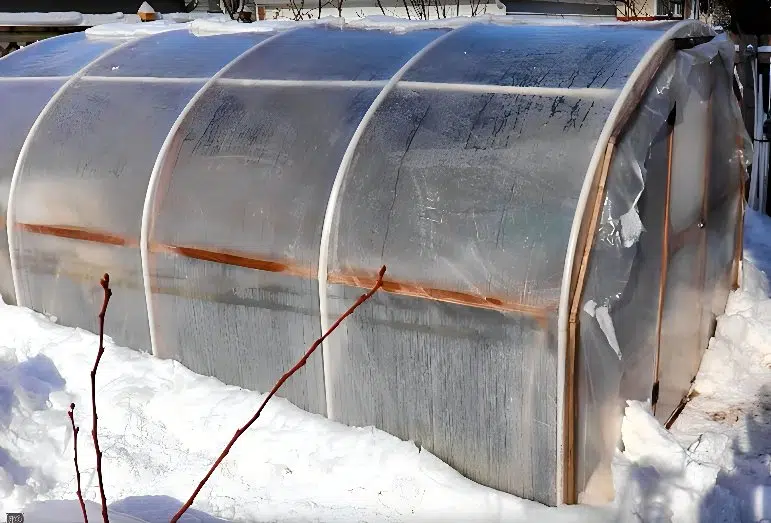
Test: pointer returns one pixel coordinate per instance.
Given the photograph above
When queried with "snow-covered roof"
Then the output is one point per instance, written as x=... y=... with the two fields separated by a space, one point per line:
x=72 y=18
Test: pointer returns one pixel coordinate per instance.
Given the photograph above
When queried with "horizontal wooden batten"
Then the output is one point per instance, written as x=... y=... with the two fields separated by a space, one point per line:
x=290 y=268
x=78 y=233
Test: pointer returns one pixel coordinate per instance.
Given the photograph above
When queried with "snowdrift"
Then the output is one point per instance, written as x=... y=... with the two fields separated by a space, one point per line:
x=559 y=208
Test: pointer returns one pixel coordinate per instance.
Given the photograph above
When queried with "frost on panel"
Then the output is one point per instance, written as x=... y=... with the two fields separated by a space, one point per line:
x=325 y=53
x=79 y=202
x=535 y=56
x=464 y=197
x=59 y=56
x=178 y=54
x=250 y=183
x=475 y=387
x=23 y=103
x=467 y=193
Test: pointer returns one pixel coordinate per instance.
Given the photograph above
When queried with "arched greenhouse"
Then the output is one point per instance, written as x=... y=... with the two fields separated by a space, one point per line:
x=559 y=208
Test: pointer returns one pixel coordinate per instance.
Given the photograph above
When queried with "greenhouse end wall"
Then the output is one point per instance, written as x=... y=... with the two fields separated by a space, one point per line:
x=664 y=254
x=241 y=201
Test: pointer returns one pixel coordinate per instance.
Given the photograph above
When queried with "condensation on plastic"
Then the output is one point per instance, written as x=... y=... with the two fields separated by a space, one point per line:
x=86 y=172
x=316 y=54
x=87 y=169
x=466 y=193
x=22 y=103
x=441 y=190
x=540 y=56
x=473 y=386
x=616 y=355
x=252 y=173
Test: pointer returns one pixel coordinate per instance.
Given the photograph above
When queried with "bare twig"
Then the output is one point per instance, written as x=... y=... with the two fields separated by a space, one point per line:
x=300 y=364
x=75 y=430
x=107 y=294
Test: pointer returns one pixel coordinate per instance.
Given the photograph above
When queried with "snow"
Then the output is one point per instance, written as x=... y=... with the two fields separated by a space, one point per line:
x=72 y=18
x=58 y=511
x=224 y=25
x=44 y=19
x=129 y=30
x=730 y=413
x=161 y=427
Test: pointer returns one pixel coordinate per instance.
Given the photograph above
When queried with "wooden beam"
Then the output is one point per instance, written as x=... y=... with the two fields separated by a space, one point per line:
x=348 y=278
x=570 y=409
x=664 y=259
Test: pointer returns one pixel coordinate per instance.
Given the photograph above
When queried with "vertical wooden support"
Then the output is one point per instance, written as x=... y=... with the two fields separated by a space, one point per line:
x=664 y=261
x=739 y=245
x=705 y=209
x=570 y=410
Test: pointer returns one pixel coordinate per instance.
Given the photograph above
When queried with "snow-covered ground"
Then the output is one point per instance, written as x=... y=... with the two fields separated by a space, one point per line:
x=161 y=427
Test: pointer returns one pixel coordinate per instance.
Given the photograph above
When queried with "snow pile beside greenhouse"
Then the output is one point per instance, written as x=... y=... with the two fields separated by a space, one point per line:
x=162 y=426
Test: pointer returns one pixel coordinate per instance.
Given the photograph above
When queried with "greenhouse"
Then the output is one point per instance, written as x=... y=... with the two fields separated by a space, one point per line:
x=559 y=207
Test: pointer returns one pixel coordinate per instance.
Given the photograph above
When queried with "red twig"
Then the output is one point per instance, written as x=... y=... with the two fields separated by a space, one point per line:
x=75 y=430
x=107 y=294
x=300 y=364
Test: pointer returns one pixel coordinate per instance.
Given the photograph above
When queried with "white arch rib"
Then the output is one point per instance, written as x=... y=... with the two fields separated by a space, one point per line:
x=22 y=159
x=345 y=163
x=624 y=99
x=160 y=161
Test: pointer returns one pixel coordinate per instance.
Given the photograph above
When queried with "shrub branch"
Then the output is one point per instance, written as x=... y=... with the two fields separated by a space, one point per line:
x=75 y=430
x=107 y=294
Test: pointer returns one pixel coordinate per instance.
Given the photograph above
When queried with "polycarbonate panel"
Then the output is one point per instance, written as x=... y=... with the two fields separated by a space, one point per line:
x=467 y=193
x=691 y=155
x=250 y=176
x=58 y=56
x=22 y=103
x=328 y=53
x=243 y=326
x=680 y=351
x=726 y=167
x=475 y=387
x=536 y=55
x=176 y=54
x=248 y=182
x=60 y=276
x=85 y=177
x=720 y=251
x=253 y=168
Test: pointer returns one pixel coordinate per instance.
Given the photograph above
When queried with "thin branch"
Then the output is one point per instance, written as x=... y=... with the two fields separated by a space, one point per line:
x=75 y=430
x=107 y=294
x=300 y=364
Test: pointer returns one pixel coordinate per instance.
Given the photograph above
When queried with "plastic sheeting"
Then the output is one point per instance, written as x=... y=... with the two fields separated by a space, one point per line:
x=658 y=276
x=214 y=177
